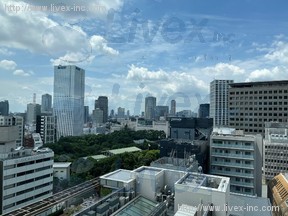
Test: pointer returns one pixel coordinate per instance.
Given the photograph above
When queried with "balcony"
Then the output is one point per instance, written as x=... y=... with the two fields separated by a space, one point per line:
x=230 y=164
x=242 y=184
x=231 y=173
x=241 y=147
x=228 y=155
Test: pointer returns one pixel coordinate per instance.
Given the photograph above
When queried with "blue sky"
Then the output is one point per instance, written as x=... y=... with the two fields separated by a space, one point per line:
x=167 y=48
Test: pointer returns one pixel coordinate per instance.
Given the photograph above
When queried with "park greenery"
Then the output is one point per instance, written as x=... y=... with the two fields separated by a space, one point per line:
x=74 y=149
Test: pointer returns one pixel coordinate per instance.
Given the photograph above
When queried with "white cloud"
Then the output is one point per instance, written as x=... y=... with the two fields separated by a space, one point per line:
x=279 y=53
x=99 y=44
x=21 y=72
x=142 y=74
x=276 y=73
x=8 y=64
x=224 y=69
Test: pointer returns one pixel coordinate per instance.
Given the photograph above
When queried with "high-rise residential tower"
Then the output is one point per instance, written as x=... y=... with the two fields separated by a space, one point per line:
x=102 y=103
x=219 y=101
x=150 y=108
x=46 y=103
x=68 y=101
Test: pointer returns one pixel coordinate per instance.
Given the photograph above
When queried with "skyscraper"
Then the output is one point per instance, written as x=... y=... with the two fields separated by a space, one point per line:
x=4 y=108
x=69 y=82
x=32 y=111
x=46 y=103
x=219 y=101
x=173 y=107
x=102 y=103
x=150 y=108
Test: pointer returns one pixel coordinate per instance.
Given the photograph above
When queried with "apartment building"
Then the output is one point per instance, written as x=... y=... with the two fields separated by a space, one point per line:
x=238 y=156
x=219 y=102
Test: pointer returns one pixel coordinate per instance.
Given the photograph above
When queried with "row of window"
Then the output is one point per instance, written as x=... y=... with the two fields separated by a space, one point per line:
x=27 y=181
x=259 y=92
x=259 y=98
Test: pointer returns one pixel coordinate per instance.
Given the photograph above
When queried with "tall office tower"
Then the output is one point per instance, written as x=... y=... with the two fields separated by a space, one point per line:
x=86 y=114
x=161 y=111
x=252 y=104
x=121 y=112
x=275 y=158
x=4 y=108
x=173 y=107
x=203 y=111
x=17 y=121
x=97 y=116
x=26 y=176
x=238 y=156
x=150 y=108
x=33 y=110
x=46 y=103
x=128 y=113
x=69 y=83
x=46 y=127
x=219 y=101
x=112 y=113
x=102 y=103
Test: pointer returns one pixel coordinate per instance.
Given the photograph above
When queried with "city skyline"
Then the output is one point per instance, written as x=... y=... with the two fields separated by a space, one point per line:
x=213 y=40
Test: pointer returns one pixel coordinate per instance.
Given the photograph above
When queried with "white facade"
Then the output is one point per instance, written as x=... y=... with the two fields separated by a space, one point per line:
x=14 y=120
x=25 y=176
x=275 y=158
x=219 y=102
x=69 y=83
x=32 y=111
x=62 y=170
x=238 y=156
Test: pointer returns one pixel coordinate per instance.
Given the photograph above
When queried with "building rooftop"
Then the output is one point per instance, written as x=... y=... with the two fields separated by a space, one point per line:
x=251 y=84
x=61 y=164
x=203 y=180
x=120 y=175
x=97 y=157
x=148 y=171
x=123 y=150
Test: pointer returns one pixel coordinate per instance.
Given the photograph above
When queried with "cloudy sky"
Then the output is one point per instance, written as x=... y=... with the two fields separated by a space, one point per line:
x=129 y=49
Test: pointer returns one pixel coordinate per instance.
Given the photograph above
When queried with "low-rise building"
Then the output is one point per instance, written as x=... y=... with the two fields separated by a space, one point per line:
x=62 y=170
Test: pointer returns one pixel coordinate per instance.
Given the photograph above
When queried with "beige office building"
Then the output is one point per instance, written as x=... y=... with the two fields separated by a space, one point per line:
x=251 y=104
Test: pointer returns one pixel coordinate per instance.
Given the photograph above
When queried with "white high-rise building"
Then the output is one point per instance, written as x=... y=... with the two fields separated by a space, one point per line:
x=33 y=110
x=68 y=101
x=219 y=102
x=26 y=176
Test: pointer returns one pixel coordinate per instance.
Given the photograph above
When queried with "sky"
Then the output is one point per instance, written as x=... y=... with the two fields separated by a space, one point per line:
x=170 y=49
